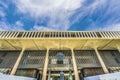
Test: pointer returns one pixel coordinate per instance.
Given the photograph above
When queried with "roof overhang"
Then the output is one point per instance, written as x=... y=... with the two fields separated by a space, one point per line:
x=59 y=43
x=84 y=41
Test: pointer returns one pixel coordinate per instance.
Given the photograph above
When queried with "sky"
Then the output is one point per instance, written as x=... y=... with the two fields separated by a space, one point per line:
x=62 y=15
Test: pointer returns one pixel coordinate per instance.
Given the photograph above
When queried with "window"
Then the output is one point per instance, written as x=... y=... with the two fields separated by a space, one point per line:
x=4 y=54
x=117 y=60
x=60 y=62
x=1 y=61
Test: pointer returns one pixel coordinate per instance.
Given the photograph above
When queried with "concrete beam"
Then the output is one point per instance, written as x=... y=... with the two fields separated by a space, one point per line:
x=17 y=62
x=45 y=65
x=118 y=48
x=101 y=61
x=74 y=65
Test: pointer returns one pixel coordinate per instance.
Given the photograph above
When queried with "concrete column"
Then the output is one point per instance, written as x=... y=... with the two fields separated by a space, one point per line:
x=118 y=49
x=45 y=65
x=17 y=62
x=74 y=65
x=101 y=61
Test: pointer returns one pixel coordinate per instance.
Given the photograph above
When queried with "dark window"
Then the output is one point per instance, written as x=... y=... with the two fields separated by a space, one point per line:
x=113 y=54
x=46 y=34
x=98 y=34
x=60 y=62
x=73 y=35
x=1 y=61
x=117 y=60
x=20 y=34
x=4 y=55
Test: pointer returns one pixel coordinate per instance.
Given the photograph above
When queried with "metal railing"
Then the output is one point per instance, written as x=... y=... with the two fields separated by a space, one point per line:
x=33 y=59
x=86 y=58
x=8 y=58
x=62 y=34
x=111 y=59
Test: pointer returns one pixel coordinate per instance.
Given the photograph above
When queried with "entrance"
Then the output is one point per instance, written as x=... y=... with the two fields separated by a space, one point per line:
x=60 y=65
x=60 y=75
x=58 y=78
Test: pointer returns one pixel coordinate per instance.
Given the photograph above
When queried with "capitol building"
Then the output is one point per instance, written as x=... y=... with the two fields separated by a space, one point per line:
x=53 y=55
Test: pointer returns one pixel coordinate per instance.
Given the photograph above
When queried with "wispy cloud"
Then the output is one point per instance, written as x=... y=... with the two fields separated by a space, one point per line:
x=60 y=15
x=37 y=28
x=99 y=15
x=113 y=27
x=3 y=4
x=4 y=25
x=57 y=12
x=2 y=14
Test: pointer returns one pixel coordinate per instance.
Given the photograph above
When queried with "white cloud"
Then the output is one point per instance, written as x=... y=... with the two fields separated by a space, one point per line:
x=42 y=7
x=113 y=27
x=4 y=25
x=2 y=7
x=2 y=14
x=100 y=14
x=58 y=11
x=3 y=4
x=41 y=28
x=19 y=23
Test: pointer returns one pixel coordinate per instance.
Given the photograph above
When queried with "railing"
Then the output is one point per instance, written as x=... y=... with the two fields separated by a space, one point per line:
x=113 y=61
x=8 y=58
x=33 y=59
x=55 y=34
x=86 y=58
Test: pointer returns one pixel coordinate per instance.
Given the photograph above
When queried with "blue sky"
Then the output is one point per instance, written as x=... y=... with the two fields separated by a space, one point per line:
x=77 y=15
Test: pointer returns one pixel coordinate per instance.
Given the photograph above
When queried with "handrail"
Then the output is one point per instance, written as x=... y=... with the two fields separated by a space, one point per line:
x=62 y=34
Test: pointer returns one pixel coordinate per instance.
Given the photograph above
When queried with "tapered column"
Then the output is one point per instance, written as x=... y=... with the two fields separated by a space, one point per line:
x=118 y=49
x=45 y=65
x=74 y=65
x=17 y=62
x=101 y=61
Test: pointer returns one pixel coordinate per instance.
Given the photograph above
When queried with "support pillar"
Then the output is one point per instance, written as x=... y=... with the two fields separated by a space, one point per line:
x=17 y=62
x=118 y=49
x=101 y=61
x=74 y=65
x=45 y=65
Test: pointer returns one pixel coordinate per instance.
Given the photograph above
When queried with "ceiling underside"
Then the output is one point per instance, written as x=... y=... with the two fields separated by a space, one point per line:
x=59 y=43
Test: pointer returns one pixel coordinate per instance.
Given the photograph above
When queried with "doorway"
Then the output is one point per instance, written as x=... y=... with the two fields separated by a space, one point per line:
x=55 y=75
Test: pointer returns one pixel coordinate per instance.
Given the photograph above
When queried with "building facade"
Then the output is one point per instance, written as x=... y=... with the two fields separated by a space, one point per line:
x=45 y=54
